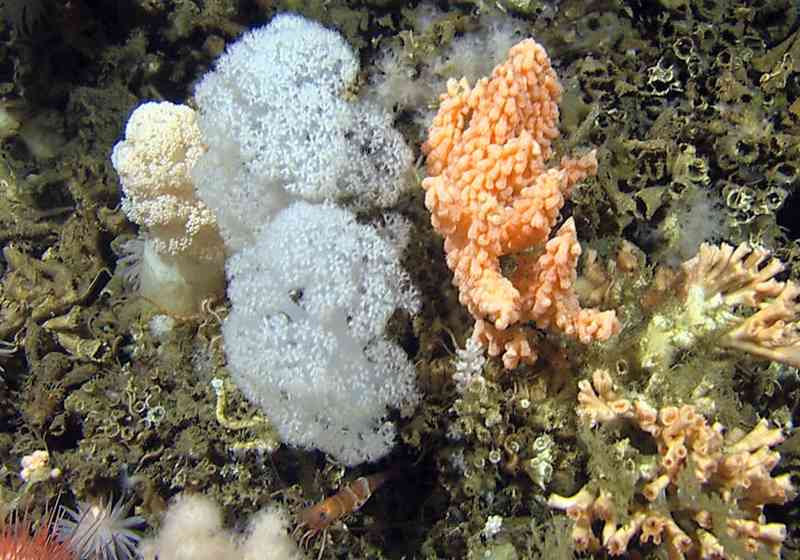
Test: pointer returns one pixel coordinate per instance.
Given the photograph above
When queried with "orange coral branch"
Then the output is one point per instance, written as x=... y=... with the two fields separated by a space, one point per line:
x=491 y=195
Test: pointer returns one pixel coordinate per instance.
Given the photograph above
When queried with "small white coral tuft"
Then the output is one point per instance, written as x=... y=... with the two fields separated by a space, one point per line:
x=269 y=531
x=192 y=529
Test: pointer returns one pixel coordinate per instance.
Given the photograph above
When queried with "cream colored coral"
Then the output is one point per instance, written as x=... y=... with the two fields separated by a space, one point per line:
x=735 y=468
x=734 y=273
x=154 y=162
x=183 y=254
x=743 y=276
x=36 y=467
x=772 y=332
x=491 y=195
x=597 y=401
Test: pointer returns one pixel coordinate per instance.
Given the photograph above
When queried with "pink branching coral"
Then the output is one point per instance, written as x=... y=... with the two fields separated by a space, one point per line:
x=491 y=195
x=743 y=276
x=713 y=288
x=732 y=467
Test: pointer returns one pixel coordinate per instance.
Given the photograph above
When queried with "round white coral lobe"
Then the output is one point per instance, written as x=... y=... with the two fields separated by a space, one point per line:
x=281 y=128
x=305 y=338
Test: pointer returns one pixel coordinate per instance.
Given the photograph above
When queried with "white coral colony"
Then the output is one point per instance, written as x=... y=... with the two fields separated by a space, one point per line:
x=183 y=255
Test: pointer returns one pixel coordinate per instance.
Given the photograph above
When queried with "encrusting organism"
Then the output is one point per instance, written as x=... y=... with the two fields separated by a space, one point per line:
x=716 y=482
x=264 y=441
x=490 y=195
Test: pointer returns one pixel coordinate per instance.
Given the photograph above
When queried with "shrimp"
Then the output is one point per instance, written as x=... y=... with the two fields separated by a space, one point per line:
x=320 y=516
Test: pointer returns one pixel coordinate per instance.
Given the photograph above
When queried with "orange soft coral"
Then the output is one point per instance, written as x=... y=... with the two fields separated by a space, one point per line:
x=490 y=195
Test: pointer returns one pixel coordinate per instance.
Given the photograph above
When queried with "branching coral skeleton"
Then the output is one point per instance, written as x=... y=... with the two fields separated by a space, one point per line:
x=713 y=286
x=735 y=467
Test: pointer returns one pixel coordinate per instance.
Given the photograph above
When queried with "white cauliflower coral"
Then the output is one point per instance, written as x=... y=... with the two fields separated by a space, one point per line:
x=183 y=254
x=154 y=161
